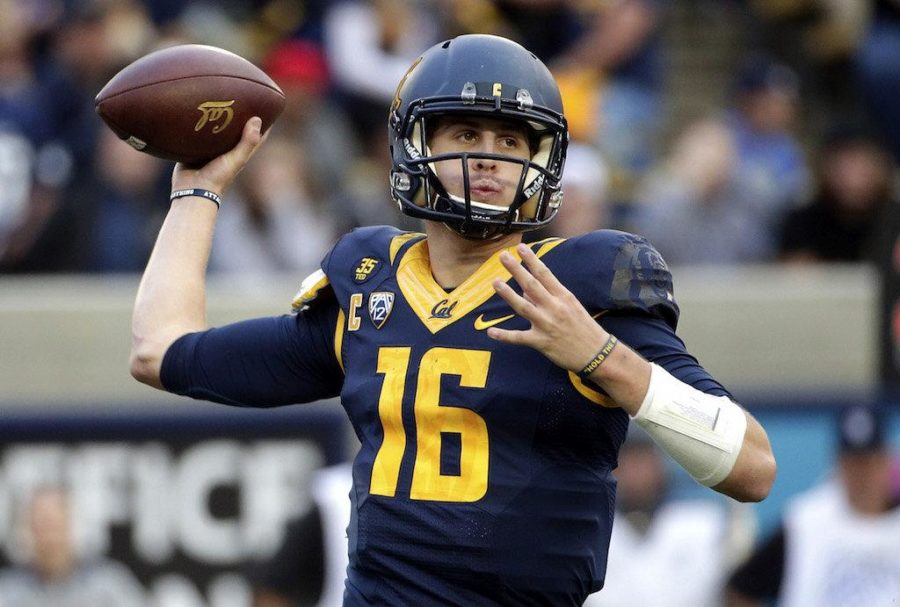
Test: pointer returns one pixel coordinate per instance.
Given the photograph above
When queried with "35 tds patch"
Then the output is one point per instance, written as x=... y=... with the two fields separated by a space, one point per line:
x=365 y=269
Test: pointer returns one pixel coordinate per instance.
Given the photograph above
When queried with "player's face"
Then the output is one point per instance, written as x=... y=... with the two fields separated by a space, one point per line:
x=491 y=182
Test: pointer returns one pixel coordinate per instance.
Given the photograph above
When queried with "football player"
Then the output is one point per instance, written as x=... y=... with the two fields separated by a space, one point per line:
x=490 y=383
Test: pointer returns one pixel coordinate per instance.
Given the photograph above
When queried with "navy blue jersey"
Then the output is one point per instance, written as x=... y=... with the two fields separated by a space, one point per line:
x=484 y=472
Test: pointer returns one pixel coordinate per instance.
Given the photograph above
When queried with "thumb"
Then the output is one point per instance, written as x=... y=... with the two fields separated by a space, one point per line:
x=251 y=137
x=218 y=174
x=232 y=162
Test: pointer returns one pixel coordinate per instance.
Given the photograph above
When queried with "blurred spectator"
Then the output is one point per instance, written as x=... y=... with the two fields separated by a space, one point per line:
x=310 y=567
x=843 y=221
x=55 y=574
x=888 y=255
x=769 y=158
x=311 y=117
x=878 y=68
x=622 y=43
x=366 y=198
x=819 y=39
x=269 y=22
x=370 y=45
x=658 y=541
x=837 y=546
x=697 y=208
x=96 y=39
x=38 y=142
x=270 y=223
x=100 y=37
x=585 y=184
x=550 y=29
x=295 y=575
x=607 y=59
x=229 y=25
x=118 y=207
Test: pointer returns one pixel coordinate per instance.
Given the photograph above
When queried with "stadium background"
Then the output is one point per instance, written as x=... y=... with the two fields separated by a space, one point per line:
x=190 y=495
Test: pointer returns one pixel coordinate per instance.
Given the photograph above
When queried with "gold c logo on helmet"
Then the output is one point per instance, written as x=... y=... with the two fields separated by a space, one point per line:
x=498 y=90
x=214 y=111
x=395 y=104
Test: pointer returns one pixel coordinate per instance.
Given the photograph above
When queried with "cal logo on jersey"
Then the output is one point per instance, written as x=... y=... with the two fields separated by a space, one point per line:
x=365 y=269
x=443 y=309
x=380 y=305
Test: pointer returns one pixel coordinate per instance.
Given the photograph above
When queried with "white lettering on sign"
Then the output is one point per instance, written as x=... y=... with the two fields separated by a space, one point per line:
x=165 y=496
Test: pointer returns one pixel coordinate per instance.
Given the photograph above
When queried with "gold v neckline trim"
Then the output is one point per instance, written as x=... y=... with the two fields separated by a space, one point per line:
x=437 y=308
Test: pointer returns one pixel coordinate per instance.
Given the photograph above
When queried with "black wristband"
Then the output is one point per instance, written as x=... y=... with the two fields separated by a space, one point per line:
x=598 y=360
x=197 y=192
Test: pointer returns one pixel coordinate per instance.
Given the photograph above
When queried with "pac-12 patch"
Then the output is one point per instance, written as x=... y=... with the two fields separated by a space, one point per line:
x=380 y=305
x=365 y=269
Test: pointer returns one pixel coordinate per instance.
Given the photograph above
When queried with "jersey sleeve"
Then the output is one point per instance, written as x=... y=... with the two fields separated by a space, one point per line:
x=635 y=291
x=655 y=340
x=263 y=362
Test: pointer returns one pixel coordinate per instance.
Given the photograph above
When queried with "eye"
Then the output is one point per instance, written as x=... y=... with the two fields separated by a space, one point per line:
x=468 y=136
x=510 y=142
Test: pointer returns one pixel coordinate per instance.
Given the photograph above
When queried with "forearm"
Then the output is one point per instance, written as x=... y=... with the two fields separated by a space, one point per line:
x=171 y=298
x=625 y=376
x=754 y=471
x=616 y=34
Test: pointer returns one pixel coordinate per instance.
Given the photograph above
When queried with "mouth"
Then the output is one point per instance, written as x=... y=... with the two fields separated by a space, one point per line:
x=485 y=189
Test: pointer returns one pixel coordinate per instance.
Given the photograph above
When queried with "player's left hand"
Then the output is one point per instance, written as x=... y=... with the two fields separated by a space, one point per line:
x=561 y=328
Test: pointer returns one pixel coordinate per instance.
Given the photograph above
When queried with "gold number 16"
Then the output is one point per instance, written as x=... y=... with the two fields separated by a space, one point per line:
x=432 y=418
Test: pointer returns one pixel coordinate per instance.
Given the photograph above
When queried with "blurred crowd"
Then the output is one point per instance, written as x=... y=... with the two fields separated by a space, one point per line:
x=795 y=163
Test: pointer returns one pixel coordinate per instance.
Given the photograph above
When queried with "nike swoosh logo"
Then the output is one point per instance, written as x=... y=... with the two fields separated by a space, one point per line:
x=481 y=324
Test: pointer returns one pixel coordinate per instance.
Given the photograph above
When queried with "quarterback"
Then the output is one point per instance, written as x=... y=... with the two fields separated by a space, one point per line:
x=490 y=383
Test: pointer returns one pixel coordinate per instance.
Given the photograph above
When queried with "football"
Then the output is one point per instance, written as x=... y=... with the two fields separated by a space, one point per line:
x=188 y=103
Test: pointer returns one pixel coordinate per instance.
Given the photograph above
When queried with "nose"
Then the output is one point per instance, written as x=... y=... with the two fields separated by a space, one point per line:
x=485 y=164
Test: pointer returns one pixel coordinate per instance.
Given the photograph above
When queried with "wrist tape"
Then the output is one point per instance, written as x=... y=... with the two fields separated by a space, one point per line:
x=702 y=432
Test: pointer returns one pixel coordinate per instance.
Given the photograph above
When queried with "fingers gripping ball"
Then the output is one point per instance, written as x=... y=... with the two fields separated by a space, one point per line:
x=188 y=103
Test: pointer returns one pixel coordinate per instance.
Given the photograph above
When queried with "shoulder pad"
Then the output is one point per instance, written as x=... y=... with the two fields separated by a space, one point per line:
x=365 y=255
x=368 y=238
x=641 y=278
x=309 y=290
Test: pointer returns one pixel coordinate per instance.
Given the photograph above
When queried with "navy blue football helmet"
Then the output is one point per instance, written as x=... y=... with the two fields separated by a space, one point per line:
x=481 y=76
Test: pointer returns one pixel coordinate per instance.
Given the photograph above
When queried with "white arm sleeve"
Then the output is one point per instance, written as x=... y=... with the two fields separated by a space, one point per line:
x=702 y=432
